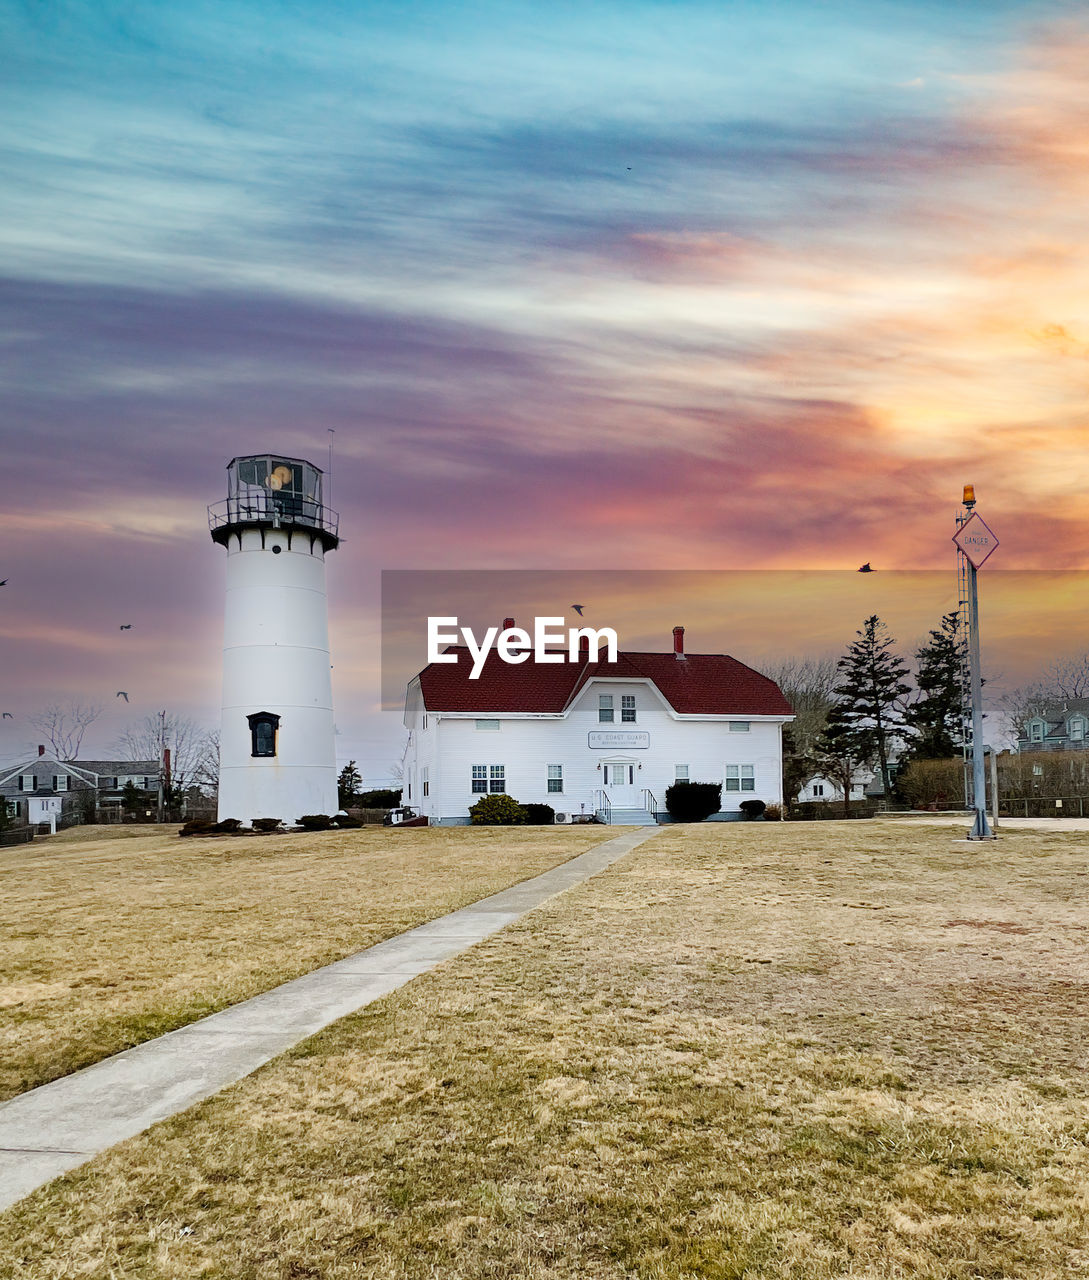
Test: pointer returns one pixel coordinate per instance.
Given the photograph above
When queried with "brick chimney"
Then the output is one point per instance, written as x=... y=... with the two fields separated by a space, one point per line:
x=41 y=750
x=508 y=623
x=678 y=643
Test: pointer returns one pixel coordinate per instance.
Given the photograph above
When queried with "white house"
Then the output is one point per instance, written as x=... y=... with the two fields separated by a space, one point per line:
x=822 y=788
x=592 y=736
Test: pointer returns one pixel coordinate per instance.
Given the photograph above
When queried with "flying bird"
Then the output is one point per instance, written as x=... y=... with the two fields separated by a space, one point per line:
x=122 y=694
x=7 y=714
x=866 y=568
x=3 y=582
x=578 y=608
x=125 y=626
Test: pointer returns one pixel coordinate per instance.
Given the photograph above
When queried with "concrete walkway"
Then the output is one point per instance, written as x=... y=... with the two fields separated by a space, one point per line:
x=58 y=1126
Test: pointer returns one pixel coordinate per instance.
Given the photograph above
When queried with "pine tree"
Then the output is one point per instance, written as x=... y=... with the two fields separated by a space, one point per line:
x=937 y=716
x=868 y=716
x=839 y=753
x=349 y=785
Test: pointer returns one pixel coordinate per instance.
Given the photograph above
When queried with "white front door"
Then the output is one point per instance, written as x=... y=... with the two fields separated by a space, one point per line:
x=620 y=786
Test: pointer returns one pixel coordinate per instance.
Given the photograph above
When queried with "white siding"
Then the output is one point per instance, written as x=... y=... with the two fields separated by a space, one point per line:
x=526 y=746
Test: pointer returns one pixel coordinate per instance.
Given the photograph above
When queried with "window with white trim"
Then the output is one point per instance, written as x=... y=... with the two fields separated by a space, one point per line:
x=491 y=726
x=425 y=783
x=605 y=708
x=1038 y=770
x=739 y=726
x=1036 y=731
x=740 y=777
x=680 y=773
x=1077 y=729
x=13 y=808
x=28 y=782
x=488 y=777
x=60 y=782
x=555 y=779
x=627 y=708
x=818 y=788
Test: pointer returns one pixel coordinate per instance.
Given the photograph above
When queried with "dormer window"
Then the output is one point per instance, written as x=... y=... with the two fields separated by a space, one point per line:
x=263 y=729
x=1036 y=731
x=1077 y=729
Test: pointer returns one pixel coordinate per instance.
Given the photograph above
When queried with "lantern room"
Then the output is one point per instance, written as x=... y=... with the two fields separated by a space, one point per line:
x=269 y=491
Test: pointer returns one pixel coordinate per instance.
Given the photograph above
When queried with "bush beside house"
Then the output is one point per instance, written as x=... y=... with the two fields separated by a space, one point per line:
x=693 y=801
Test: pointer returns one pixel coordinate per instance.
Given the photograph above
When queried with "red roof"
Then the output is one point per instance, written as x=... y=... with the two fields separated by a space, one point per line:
x=709 y=684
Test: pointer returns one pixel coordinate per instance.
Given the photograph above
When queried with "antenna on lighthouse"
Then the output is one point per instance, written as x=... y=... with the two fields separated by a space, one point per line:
x=329 y=487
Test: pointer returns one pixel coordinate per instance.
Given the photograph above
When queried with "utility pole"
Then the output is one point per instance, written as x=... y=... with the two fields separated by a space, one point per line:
x=977 y=542
x=162 y=749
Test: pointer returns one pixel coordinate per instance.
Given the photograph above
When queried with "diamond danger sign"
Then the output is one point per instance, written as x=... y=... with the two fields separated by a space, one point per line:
x=975 y=540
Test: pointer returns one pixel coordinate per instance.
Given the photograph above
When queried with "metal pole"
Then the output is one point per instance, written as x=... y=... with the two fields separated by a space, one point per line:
x=162 y=744
x=981 y=829
x=994 y=790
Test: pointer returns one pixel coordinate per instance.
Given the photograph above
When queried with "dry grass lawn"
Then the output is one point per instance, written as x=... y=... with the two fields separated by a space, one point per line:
x=801 y=1052
x=116 y=935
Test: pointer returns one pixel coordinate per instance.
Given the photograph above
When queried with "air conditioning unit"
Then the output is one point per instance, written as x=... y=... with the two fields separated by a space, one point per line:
x=561 y=817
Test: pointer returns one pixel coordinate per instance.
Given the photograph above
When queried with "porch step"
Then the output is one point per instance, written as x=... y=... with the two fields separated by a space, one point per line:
x=632 y=818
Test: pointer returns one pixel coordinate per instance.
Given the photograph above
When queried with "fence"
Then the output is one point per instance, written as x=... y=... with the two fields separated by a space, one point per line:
x=16 y=835
x=1041 y=807
x=816 y=810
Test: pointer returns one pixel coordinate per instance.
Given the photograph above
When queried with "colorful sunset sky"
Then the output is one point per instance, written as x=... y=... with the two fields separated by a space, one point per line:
x=600 y=286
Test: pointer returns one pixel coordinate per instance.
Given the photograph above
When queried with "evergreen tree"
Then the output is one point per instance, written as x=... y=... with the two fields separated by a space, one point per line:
x=349 y=785
x=868 y=716
x=937 y=716
x=838 y=752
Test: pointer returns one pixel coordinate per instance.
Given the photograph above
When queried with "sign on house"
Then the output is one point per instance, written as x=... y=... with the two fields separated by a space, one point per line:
x=611 y=739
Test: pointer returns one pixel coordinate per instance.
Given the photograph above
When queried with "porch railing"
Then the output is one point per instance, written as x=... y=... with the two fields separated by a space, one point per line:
x=604 y=809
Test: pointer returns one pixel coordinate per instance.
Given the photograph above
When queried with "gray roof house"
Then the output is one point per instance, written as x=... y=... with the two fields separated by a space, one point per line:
x=1057 y=726
x=45 y=786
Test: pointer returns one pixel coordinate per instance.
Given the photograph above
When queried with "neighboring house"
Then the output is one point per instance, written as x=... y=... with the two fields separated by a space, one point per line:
x=821 y=788
x=1061 y=726
x=44 y=786
x=592 y=737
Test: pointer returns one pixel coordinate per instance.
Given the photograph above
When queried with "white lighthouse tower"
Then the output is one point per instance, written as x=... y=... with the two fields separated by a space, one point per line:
x=277 y=752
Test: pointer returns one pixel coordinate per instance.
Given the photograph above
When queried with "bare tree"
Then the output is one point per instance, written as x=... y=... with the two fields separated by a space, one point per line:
x=188 y=742
x=206 y=774
x=808 y=684
x=1069 y=676
x=64 y=724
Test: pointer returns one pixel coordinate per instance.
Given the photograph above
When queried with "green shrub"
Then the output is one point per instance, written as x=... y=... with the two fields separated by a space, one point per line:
x=198 y=827
x=752 y=809
x=693 y=801
x=499 y=810
x=387 y=799
x=315 y=822
x=540 y=815
x=267 y=824
x=346 y=822
x=228 y=827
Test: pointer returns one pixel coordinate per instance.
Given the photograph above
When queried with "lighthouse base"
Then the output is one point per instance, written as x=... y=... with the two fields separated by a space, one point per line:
x=276 y=790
